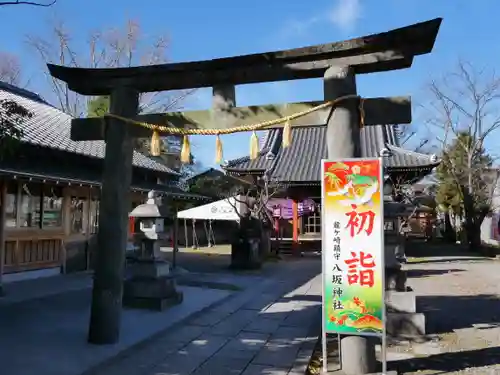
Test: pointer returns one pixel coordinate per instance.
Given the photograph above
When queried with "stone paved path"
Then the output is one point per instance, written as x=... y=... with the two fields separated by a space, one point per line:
x=48 y=335
x=461 y=299
x=269 y=330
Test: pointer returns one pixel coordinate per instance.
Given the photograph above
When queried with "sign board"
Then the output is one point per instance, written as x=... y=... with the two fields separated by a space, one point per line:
x=277 y=211
x=353 y=247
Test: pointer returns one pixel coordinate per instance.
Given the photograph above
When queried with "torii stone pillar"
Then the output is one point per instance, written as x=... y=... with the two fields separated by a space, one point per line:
x=223 y=101
x=223 y=98
x=343 y=141
x=343 y=133
x=105 y=318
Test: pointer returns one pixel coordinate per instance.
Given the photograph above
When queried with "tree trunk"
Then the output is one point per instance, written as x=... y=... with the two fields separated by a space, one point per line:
x=450 y=234
x=472 y=228
x=478 y=220
x=243 y=254
x=265 y=243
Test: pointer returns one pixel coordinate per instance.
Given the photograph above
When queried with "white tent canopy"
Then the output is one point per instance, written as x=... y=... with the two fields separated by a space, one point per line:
x=225 y=209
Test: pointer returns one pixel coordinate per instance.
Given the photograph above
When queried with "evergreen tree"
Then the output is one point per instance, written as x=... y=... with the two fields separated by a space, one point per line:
x=98 y=106
x=12 y=115
x=465 y=181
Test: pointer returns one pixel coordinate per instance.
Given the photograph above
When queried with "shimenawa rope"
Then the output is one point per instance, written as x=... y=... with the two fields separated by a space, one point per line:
x=254 y=141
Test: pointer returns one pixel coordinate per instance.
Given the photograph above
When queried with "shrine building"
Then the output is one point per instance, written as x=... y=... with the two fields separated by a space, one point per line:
x=298 y=169
x=50 y=192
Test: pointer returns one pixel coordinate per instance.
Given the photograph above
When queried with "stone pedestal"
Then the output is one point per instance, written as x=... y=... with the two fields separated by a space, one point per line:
x=358 y=355
x=400 y=252
x=403 y=320
x=395 y=278
x=405 y=325
x=246 y=246
x=150 y=286
x=403 y=302
x=393 y=248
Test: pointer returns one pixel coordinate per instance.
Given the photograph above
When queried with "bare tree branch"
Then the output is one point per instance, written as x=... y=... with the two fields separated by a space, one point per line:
x=464 y=113
x=10 y=69
x=404 y=191
x=466 y=100
x=115 y=47
x=253 y=195
x=18 y=2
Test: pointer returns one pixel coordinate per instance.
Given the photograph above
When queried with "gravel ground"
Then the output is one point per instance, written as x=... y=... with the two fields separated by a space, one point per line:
x=460 y=297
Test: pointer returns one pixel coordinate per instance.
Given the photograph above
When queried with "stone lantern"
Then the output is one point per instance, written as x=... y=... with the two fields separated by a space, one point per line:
x=394 y=252
x=150 y=283
x=402 y=316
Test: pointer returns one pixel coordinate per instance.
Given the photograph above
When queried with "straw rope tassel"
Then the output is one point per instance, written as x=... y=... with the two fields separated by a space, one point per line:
x=218 y=150
x=287 y=131
x=361 y=108
x=287 y=134
x=254 y=141
x=155 y=149
x=186 y=150
x=254 y=146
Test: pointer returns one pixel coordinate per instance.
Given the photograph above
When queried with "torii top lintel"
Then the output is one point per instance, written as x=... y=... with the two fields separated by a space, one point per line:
x=385 y=51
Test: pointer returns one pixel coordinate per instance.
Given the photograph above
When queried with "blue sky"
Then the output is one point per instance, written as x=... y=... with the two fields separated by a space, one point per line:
x=201 y=29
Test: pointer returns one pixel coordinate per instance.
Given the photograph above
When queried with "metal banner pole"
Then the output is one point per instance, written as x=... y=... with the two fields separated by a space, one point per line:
x=383 y=351
x=339 y=350
x=323 y=281
x=325 y=351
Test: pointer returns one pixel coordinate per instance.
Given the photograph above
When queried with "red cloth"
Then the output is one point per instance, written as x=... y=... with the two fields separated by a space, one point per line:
x=131 y=226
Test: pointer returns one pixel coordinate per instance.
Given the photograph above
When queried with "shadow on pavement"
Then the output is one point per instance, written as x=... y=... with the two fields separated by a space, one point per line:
x=449 y=362
x=200 y=262
x=416 y=273
x=255 y=329
x=418 y=249
x=220 y=263
x=448 y=260
x=446 y=313
x=315 y=298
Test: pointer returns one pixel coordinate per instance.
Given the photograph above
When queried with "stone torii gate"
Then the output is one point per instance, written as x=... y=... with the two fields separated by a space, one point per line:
x=337 y=63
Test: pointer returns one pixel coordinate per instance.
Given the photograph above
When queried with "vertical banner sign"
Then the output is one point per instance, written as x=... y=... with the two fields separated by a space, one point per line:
x=352 y=246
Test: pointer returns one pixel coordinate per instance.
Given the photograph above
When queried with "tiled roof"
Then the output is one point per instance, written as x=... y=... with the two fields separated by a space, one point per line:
x=50 y=127
x=301 y=161
x=209 y=171
x=93 y=180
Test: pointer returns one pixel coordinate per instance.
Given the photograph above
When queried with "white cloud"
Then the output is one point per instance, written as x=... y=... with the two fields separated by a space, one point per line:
x=345 y=14
x=295 y=28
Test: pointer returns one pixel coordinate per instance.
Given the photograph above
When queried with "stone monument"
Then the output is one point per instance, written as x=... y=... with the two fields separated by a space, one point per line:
x=150 y=283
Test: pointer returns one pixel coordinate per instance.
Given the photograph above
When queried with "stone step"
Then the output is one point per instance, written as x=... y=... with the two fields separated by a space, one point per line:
x=404 y=302
x=405 y=324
